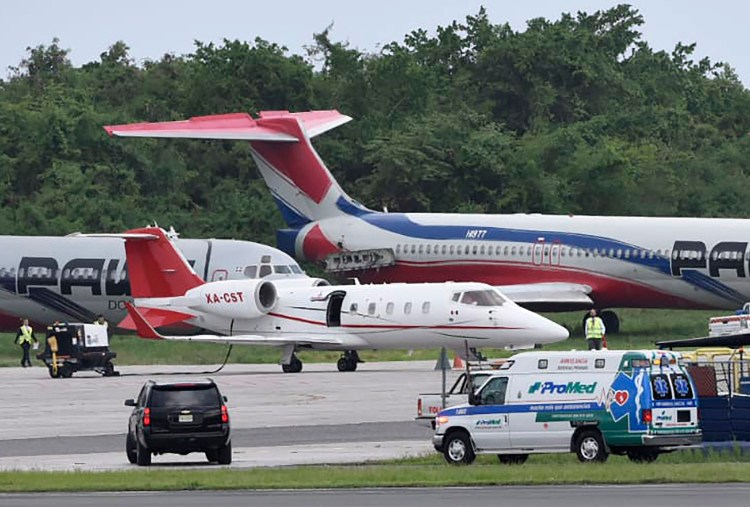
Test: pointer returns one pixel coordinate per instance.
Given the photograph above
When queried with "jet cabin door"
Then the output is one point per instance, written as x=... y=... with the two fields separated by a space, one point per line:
x=333 y=312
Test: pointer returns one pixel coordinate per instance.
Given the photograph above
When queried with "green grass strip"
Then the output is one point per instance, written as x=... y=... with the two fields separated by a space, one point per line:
x=373 y=476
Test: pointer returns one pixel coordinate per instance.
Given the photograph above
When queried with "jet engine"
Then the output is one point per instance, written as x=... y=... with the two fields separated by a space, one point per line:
x=234 y=299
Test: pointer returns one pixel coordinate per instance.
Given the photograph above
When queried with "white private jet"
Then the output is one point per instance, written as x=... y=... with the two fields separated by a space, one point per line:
x=551 y=262
x=292 y=315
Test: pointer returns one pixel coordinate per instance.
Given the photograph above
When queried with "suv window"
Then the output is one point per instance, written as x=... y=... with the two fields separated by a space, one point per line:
x=184 y=396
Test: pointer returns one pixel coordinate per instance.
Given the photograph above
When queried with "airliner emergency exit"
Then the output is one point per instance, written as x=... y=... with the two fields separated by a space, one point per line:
x=74 y=279
x=348 y=318
x=550 y=262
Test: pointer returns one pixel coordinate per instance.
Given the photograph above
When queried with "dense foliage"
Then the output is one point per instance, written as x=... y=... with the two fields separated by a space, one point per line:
x=577 y=115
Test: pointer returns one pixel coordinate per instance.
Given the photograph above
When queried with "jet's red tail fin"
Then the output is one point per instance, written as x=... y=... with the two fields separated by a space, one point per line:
x=156 y=267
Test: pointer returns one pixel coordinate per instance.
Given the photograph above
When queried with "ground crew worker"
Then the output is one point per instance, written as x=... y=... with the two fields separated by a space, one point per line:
x=594 y=330
x=101 y=322
x=24 y=337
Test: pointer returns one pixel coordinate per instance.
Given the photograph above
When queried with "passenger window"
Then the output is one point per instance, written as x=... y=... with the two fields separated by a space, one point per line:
x=452 y=249
x=481 y=250
x=407 y=308
x=494 y=391
x=371 y=308
x=389 y=308
x=426 y=307
x=398 y=248
x=599 y=363
x=353 y=308
x=428 y=249
x=421 y=249
x=455 y=297
x=660 y=387
x=414 y=249
x=542 y=364
x=444 y=250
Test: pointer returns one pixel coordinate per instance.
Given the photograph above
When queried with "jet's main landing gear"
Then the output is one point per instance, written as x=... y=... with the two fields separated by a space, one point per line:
x=294 y=366
x=349 y=361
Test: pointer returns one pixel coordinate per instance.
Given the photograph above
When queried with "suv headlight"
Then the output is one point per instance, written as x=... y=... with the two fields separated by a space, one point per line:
x=441 y=420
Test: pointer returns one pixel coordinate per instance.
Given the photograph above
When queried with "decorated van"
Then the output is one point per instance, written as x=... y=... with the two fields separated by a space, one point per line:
x=594 y=403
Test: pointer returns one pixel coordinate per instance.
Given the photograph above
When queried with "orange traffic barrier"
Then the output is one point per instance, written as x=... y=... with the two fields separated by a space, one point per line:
x=457 y=363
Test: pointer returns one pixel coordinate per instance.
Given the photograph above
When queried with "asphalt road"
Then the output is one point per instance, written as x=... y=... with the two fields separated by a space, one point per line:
x=244 y=437
x=678 y=495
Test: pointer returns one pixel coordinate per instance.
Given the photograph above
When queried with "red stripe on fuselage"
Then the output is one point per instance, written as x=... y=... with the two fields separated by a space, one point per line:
x=607 y=291
x=297 y=161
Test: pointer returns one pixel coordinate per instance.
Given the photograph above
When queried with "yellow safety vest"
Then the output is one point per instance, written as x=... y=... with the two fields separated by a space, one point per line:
x=26 y=332
x=594 y=328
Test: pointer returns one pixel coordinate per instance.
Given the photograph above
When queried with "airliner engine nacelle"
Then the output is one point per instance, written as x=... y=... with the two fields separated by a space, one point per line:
x=234 y=299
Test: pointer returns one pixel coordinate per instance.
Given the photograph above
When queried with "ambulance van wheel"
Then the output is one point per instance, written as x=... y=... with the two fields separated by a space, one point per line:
x=512 y=459
x=457 y=448
x=130 y=449
x=590 y=447
x=643 y=455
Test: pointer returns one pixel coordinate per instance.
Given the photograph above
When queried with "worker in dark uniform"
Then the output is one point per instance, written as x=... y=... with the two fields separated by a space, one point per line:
x=24 y=337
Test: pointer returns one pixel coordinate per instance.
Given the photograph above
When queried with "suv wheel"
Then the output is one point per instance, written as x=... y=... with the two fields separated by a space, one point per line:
x=457 y=449
x=143 y=455
x=130 y=449
x=225 y=454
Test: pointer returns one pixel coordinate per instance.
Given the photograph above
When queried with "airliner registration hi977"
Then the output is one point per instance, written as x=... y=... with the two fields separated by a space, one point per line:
x=540 y=261
x=70 y=278
x=293 y=315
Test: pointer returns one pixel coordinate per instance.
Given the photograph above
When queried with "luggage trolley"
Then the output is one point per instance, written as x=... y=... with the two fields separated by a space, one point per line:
x=74 y=347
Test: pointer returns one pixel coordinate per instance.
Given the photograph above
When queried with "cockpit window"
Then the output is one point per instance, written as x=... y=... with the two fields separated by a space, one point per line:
x=295 y=269
x=284 y=270
x=265 y=270
x=251 y=271
x=481 y=298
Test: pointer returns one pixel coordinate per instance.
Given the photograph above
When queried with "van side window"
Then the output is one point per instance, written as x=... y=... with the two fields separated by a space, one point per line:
x=660 y=387
x=494 y=391
x=542 y=364
x=600 y=363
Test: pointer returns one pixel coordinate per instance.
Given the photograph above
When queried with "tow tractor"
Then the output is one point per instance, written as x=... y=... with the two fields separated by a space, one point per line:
x=75 y=347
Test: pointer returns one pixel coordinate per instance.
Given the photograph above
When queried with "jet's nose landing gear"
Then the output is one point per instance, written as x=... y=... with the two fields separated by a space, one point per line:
x=349 y=361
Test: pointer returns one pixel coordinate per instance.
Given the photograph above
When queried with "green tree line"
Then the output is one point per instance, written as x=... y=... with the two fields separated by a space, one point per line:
x=575 y=115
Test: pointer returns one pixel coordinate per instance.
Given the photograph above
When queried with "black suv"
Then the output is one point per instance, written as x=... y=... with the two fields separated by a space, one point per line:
x=180 y=418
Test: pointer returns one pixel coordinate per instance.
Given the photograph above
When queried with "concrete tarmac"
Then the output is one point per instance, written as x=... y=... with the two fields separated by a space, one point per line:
x=80 y=422
x=672 y=495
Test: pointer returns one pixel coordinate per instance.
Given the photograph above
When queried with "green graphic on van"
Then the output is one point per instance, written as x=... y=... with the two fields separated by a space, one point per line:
x=565 y=388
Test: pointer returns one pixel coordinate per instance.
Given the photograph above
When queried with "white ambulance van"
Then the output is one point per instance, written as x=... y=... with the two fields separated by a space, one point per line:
x=593 y=403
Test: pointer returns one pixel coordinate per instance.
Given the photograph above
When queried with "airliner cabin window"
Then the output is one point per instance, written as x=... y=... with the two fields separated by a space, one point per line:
x=389 y=308
x=421 y=249
x=505 y=251
x=407 y=308
x=474 y=250
x=513 y=251
x=444 y=250
x=627 y=253
x=398 y=248
x=353 y=308
x=426 y=307
x=611 y=252
x=428 y=249
x=452 y=249
x=528 y=251
x=481 y=250
x=371 y=308
x=414 y=249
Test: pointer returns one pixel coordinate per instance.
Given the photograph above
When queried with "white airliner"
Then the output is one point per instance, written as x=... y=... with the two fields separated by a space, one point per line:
x=68 y=278
x=348 y=318
x=552 y=262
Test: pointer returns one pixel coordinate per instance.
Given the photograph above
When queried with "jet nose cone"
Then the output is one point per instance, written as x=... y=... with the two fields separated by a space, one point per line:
x=550 y=332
